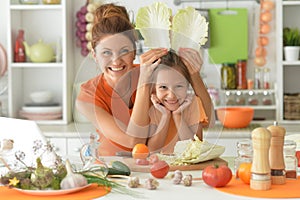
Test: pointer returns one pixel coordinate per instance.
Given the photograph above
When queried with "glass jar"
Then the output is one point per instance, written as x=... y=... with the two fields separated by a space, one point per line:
x=290 y=160
x=252 y=98
x=267 y=98
x=214 y=95
x=240 y=98
x=241 y=68
x=244 y=154
x=229 y=99
x=228 y=76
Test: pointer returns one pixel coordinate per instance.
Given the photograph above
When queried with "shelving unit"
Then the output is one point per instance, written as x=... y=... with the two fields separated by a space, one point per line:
x=261 y=111
x=49 y=23
x=287 y=72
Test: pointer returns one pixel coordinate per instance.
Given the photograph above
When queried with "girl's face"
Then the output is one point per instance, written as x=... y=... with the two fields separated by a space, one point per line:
x=171 y=88
x=115 y=55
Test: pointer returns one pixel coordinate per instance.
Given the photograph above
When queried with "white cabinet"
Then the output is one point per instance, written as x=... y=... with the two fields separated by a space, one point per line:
x=50 y=23
x=288 y=73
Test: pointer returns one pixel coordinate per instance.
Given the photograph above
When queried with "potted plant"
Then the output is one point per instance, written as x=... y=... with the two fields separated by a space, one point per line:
x=291 y=43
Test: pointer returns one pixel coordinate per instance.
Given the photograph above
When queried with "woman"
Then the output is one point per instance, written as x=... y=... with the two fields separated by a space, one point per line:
x=118 y=100
x=175 y=114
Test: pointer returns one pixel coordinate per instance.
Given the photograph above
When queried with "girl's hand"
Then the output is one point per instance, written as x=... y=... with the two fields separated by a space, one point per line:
x=192 y=59
x=149 y=61
x=184 y=105
x=157 y=104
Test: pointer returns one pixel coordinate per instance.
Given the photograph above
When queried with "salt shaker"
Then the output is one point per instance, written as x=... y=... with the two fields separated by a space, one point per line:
x=260 y=170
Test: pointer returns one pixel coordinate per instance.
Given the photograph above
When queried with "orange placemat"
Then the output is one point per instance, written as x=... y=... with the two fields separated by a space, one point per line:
x=288 y=190
x=88 y=193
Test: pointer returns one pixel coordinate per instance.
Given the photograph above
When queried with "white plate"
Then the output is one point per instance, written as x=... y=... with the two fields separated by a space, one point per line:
x=42 y=109
x=51 y=192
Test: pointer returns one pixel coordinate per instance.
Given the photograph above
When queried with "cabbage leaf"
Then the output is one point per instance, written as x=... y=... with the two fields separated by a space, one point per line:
x=189 y=29
x=154 y=24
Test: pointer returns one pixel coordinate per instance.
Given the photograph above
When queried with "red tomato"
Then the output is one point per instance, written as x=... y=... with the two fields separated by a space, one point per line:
x=216 y=176
x=160 y=169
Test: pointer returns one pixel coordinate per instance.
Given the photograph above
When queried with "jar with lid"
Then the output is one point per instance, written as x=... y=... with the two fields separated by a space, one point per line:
x=229 y=99
x=241 y=68
x=214 y=95
x=266 y=84
x=240 y=98
x=258 y=78
x=267 y=98
x=290 y=160
x=228 y=76
x=244 y=154
x=252 y=98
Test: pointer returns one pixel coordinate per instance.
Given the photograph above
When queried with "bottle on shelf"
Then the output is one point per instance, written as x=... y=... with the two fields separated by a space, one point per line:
x=241 y=68
x=19 y=52
x=257 y=78
x=266 y=84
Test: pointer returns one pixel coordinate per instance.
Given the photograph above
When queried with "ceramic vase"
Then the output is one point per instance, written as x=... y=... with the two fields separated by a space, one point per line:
x=291 y=53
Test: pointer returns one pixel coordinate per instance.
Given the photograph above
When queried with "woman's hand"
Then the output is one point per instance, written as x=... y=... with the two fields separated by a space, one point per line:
x=184 y=105
x=148 y=62
x=157 y=104
x=192 y=59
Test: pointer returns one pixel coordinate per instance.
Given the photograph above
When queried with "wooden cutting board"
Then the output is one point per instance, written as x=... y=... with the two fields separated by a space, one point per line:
x=130 y=162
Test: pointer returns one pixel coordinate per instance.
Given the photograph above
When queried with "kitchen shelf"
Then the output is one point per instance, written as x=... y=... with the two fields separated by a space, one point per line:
x=290 y=3
x=53 y=25
x=271 y=107
x=36 y=65
x=35 y=7
x=287 y=71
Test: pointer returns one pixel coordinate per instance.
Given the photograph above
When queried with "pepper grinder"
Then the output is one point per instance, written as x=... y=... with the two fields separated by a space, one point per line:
x=276 y=158
x=260 y=170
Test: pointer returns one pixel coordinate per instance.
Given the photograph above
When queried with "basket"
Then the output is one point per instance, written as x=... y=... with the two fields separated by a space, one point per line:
x=292 y=106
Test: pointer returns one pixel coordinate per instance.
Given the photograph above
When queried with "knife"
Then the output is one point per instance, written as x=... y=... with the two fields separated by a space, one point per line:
x=124 y=154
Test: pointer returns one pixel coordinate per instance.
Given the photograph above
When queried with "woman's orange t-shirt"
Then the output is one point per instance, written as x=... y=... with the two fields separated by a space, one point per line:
x=99 y=93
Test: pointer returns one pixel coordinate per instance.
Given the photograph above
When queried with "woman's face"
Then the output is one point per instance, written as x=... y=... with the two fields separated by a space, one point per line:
x=115 y=55
x=171 y=88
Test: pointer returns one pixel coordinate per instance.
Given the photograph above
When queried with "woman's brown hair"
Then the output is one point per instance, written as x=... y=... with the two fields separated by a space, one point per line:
x=111 y=19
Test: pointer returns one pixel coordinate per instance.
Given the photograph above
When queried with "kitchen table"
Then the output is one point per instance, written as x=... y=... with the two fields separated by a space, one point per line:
x=170 y=191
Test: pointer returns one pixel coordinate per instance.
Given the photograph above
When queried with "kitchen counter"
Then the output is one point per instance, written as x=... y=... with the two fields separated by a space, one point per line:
x=167 y=190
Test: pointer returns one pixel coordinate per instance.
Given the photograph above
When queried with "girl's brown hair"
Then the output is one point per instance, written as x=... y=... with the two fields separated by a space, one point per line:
x=112 y=19
x=172 y=60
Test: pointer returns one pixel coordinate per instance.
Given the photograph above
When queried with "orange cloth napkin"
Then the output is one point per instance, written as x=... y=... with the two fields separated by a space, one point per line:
x=88 y=193
x=288 y=190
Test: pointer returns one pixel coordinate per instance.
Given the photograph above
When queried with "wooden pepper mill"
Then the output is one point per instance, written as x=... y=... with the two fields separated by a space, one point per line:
x=276 y=158
x=260 y=170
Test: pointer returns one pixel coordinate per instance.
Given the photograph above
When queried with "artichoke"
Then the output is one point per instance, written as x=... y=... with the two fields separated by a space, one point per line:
x=42 y=176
